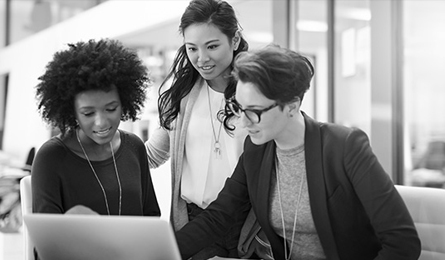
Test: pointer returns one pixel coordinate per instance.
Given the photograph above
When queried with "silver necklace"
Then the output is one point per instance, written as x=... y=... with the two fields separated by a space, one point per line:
x=97 y=178
x=287 y=257
x=216 y=144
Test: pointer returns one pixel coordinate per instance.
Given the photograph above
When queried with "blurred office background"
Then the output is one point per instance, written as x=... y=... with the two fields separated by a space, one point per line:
x=380 y=66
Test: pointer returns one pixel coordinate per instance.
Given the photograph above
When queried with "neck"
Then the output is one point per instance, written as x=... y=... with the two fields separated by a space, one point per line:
x=94 y=150
x=218 y=84
x=293 y=135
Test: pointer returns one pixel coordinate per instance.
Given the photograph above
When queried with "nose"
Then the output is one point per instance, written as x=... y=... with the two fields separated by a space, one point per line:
x=244 y=120
x=100 y=120
x=203 y=55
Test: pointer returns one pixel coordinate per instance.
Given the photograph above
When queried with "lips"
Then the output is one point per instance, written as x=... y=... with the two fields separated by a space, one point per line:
x=103 y=132
x=205 y=68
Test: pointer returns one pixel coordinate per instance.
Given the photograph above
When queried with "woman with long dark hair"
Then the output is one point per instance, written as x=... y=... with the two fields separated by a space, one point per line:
x=202 y=154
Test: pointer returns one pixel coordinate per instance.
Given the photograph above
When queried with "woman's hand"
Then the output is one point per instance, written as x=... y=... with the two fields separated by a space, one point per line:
x=81 y=210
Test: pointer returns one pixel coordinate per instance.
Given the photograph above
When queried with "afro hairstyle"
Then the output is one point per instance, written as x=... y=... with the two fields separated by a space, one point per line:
x=92 y=65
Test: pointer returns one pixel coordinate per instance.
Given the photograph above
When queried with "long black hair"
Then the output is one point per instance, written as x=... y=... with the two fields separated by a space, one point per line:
x=218 y=13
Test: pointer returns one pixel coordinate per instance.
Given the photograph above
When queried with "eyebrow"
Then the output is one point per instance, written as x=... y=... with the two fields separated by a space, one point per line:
x=252 y=107
x=206 y=43
x=114 y=102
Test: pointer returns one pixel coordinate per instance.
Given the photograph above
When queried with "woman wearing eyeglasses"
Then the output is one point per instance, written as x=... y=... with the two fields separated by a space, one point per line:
x=317 y=189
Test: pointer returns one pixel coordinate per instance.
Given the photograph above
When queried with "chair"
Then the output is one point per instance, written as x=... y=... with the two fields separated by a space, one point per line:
x=29 y=159
x=26 y=200
x=427 y=208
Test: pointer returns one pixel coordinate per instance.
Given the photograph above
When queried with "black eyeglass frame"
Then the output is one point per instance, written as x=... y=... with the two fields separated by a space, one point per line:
x=232 y=102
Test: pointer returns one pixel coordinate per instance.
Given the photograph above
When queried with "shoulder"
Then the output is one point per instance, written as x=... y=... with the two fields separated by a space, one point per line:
x=53 y=146
x=338 y=140
x=53 y=152
x=333 y=139
x=332 y=132
x=340 y=132
x=335 y=129
x=128 y=135
x=130 y=138
x=131 y=141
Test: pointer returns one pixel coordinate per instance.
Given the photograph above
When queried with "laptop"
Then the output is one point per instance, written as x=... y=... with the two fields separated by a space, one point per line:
x=94 y=237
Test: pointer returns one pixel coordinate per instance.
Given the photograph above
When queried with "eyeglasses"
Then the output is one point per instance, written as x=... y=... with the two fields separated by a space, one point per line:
x=254 y=115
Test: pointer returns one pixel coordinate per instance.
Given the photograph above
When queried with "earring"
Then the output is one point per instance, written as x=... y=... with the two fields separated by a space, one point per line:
x=236 y=40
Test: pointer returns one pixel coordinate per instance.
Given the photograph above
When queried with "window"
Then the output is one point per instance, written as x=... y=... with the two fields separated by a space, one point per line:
x=424 y=92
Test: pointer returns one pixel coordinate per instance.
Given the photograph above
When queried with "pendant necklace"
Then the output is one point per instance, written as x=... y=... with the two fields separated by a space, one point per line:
x=217 y=145
x=97 y=178
x=282 y=216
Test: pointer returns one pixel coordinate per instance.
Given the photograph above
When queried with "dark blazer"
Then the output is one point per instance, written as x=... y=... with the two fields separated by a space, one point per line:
x=357 y=211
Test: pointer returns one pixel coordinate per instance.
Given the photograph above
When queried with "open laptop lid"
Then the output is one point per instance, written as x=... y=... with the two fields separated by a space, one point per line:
x=93 y=237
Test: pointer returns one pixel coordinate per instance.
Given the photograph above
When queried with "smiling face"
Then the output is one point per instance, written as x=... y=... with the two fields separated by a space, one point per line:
x=210 y=51
x=274 y=123
x=98 y=114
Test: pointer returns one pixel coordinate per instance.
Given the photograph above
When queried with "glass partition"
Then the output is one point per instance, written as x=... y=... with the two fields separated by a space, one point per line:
x=309 y=37
x=352 y=52
x=424 y=92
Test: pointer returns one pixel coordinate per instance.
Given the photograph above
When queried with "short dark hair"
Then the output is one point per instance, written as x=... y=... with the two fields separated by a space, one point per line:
x=280 y=74
x=92 y=65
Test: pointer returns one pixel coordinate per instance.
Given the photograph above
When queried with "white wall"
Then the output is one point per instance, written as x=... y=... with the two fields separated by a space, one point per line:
x=25 y=60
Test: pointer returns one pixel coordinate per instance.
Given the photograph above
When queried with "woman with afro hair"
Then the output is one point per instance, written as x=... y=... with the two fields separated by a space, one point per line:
x=85 y=92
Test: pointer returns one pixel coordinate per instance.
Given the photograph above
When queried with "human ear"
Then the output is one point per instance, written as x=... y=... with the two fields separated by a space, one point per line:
x=236 y=40
x=293 y=108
